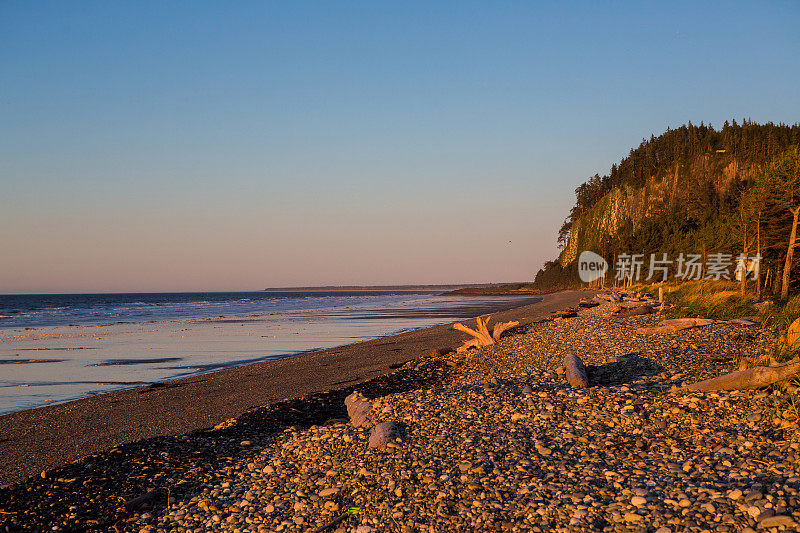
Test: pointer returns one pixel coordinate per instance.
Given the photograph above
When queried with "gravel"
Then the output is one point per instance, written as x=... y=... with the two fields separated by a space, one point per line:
x=491 y=440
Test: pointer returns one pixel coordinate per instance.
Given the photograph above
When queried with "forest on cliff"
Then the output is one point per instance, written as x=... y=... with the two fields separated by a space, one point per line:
x=728 y=193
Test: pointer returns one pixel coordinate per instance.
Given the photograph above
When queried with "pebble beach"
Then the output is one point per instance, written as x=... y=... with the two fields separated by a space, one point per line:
x=490 y=440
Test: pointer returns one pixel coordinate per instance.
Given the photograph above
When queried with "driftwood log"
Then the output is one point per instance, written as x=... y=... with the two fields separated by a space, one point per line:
x=481 y=335
x=575 y=371
x=359 y=409
x=752 y=378
x=635 y=311
x=744 y=321
x=675 y=324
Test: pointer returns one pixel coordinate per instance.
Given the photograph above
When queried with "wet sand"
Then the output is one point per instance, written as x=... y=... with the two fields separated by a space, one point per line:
x=44 y=438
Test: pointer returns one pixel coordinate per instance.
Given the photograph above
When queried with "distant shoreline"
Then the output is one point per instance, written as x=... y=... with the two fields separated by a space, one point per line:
x=467 y=287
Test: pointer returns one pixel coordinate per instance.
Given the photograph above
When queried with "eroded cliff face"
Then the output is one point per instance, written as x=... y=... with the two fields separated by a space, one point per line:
x=662 y=193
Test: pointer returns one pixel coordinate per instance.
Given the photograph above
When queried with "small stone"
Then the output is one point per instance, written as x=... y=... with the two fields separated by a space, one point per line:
x=663 y=530
x=638 y=501
x=324 y=493
x=735 y=494
x=632 y=517
x=776 y=521
x=246 y=443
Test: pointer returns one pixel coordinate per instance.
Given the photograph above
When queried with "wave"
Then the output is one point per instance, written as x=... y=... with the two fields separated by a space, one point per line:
x=21 y=311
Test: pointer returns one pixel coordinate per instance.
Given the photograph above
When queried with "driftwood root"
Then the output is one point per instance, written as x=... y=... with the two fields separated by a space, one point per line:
x=480 y=335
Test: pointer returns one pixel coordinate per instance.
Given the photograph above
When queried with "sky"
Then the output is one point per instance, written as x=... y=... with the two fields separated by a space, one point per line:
x=193 y=146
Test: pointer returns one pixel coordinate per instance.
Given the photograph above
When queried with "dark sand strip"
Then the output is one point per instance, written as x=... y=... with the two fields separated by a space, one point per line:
x=40 y=439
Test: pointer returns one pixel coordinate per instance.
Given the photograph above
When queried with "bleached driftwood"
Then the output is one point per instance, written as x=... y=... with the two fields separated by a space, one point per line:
x=752 y=378
x=635 y=311
x=359 y=409
x=793 y=334
x=674 y=324
x=481 y=336
x=744 y=321
x=575 y=371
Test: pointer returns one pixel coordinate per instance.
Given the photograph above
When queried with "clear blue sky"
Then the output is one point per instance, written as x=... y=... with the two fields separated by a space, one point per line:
x=155 y=146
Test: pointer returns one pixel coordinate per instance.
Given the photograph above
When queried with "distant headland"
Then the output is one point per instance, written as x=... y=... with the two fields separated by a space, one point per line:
x=463 y=289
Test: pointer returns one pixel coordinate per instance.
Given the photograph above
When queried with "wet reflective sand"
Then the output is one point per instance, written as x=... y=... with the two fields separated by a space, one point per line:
x=55 y=364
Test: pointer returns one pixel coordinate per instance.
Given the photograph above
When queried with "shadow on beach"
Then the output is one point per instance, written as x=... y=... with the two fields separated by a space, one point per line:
x=155 y=469
x=628 y=368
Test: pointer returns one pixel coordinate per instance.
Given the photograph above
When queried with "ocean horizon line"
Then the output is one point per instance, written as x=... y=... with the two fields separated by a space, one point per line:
x=310 y=288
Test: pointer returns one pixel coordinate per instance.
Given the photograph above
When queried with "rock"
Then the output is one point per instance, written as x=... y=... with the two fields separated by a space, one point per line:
x=324 y=493
x=638 y=501
x=776 y=521
x=382 y=434
x=735 y=494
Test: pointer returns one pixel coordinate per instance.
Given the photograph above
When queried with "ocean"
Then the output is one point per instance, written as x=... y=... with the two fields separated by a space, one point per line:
x=56 y=348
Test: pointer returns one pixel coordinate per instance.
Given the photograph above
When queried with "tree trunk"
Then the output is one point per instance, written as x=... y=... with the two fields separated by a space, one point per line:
x=787 y=267
x=743 y=282
x=758 y=254
x=767 y=278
